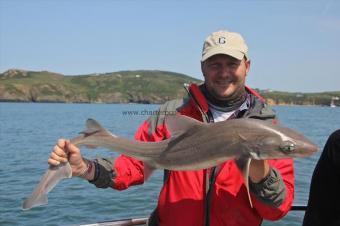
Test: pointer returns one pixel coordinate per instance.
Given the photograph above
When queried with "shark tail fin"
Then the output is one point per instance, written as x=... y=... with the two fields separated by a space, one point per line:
x=49 y=180
x=34 y=201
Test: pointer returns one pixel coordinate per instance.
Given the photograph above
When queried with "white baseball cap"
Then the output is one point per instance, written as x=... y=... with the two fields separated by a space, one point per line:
x=224 y=42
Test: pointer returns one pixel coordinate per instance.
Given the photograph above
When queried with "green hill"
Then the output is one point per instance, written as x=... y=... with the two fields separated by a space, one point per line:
x=117 y=87
x=142 y=86
x=295 y=98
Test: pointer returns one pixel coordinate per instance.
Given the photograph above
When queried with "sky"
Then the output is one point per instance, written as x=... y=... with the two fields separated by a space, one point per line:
x=293 y=45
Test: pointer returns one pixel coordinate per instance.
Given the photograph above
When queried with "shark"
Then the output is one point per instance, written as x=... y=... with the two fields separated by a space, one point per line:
x=193 y=145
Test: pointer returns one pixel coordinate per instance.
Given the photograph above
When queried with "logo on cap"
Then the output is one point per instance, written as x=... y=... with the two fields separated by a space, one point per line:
x=221 y=40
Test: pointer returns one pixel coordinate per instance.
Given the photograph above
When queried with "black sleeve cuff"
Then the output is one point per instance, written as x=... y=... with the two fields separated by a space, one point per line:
x=271 y=190
x=104 y=173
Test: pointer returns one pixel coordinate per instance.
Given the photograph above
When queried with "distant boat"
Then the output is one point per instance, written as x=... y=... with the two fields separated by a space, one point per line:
x=332 y=105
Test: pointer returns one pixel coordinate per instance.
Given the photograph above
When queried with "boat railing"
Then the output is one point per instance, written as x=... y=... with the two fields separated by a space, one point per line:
x=143 y=221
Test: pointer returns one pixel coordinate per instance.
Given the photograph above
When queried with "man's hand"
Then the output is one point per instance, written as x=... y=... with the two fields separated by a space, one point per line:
x=259 y=169
x=64 y=152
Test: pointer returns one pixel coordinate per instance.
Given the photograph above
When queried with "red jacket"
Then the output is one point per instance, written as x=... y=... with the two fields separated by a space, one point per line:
x=182 y=199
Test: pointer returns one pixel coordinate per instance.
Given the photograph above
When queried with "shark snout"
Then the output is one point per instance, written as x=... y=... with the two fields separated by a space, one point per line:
x=305 y=149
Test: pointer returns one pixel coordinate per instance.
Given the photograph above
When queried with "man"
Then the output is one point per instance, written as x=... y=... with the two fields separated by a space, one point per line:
x=323 y=205
x=216 y=196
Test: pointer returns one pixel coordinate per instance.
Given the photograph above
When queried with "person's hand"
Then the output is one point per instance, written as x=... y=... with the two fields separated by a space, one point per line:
x=64 y=152
x=259 y=169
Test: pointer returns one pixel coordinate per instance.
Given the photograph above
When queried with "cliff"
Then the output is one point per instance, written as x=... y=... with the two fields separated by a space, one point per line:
x=117 y=87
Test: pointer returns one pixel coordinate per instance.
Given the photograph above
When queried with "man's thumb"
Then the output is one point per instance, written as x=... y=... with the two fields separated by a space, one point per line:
x=71 y=147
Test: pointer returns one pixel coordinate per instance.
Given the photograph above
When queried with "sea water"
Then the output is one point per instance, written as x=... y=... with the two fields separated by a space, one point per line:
x=28 y=132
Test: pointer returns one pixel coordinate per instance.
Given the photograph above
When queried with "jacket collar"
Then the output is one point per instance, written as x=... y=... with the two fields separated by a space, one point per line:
x=201 y=101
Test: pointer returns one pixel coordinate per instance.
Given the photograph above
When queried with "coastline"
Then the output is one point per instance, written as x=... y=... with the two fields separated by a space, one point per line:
x=144 y=102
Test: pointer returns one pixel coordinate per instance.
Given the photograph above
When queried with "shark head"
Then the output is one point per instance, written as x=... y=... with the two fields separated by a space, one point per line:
x=297 y=146
x=280 y=142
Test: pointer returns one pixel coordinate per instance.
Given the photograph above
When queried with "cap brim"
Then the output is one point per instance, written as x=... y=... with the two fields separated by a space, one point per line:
x=230 y=52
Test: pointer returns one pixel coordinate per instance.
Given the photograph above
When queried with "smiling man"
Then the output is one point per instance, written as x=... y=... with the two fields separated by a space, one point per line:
x=216 y=196
x=225 y=65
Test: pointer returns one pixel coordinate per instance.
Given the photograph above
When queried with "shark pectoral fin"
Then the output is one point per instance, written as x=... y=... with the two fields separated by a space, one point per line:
x=244 y=165
x=148 y=170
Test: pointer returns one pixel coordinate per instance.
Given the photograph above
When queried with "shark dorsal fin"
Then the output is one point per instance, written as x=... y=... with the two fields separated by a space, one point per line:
x=92 y=126
x=177 y=124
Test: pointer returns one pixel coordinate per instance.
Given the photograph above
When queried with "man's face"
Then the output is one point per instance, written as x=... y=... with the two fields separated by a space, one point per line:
x=224 y=75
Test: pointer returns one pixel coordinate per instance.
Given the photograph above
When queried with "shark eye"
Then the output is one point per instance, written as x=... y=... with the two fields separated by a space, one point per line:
x=287 y=146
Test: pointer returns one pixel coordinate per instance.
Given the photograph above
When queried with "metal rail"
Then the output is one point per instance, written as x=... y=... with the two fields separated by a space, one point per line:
x=298 y=208
x=122 y=222
x=143 y=221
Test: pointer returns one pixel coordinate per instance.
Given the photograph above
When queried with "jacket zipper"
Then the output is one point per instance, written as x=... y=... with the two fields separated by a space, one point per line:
x=210 y=175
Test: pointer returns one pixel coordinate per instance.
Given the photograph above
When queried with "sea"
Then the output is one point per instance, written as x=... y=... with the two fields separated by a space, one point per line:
x=29 y=131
